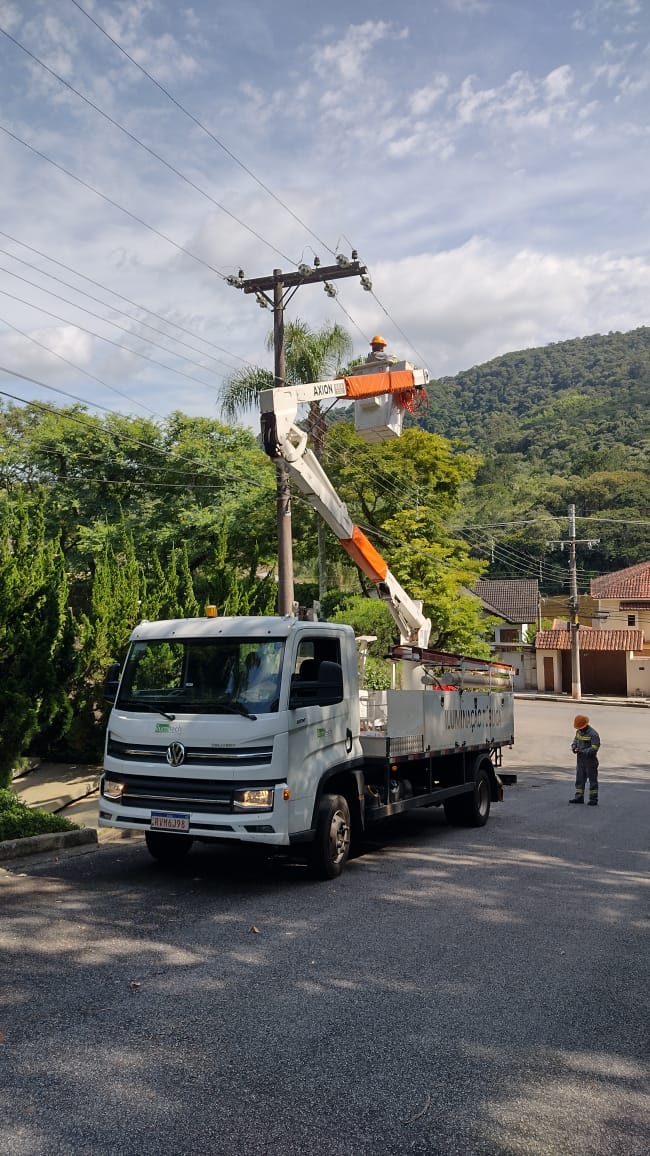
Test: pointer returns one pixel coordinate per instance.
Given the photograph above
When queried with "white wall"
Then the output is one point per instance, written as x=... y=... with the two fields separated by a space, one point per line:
x=638 y=676
x=617 y=618
x=556 y=655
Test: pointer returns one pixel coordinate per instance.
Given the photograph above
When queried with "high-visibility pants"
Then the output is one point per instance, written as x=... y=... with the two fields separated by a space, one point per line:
x=587 y=768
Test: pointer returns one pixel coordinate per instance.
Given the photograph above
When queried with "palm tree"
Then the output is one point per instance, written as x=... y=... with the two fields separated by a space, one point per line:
x=310 y=355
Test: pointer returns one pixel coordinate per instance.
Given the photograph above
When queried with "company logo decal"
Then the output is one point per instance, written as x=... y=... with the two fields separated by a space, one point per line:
x=471 y=719
x=175 y=754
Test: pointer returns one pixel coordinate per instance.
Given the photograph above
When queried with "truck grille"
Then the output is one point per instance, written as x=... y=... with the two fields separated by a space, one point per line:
x=194 y=756
x=197 y=795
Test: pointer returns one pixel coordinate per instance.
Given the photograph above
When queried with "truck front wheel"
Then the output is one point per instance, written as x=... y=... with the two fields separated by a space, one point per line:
x=167 y=848
x=331 y=847
x=473 y=808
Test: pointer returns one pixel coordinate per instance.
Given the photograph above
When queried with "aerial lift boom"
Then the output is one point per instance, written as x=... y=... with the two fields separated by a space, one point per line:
x=282 y=438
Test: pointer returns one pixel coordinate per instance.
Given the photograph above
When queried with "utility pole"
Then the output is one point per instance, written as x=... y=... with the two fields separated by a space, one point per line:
x=574 y=602
x=283 y=286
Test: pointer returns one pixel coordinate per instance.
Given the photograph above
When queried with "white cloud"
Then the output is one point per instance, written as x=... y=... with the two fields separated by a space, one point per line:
x=472 y=303
x=521 y=100
x=346 y=55
x=423 y=99
x=468 y=7
x=408 y=137
x=558 y=82
x=9 y=17
x=29 y=355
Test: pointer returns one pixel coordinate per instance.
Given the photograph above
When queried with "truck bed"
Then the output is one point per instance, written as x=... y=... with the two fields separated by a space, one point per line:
x=410 y=722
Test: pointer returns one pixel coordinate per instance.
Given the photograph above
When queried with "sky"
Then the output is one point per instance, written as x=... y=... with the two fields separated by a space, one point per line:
x=488 y=160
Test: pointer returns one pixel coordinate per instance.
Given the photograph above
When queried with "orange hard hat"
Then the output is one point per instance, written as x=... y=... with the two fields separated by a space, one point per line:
x=377 y=340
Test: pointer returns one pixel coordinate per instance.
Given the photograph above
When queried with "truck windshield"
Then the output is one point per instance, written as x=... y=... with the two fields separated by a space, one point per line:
x=204 y=676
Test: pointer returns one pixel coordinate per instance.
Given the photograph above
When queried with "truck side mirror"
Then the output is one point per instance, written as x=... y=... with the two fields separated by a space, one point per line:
x=111 y=682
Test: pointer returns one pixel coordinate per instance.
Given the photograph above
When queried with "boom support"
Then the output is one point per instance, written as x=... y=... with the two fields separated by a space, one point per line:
x=282 y=438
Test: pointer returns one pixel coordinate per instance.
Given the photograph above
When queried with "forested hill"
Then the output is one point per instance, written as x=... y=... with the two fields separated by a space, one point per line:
x=565 y=424
x=588 y=392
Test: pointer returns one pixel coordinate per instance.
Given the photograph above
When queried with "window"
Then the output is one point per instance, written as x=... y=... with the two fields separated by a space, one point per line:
x=318 y=676
x=203 y=675
x=631 y=619
x=508 y=635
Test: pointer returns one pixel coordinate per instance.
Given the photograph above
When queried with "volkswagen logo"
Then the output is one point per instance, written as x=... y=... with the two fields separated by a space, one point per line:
x=175 y=754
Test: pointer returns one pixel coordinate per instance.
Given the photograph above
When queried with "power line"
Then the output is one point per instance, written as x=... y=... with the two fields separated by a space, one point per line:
x=517 y=560
x=107 y=305
x=383 y=308
x=135 y=304
x=518 y=522
x=203 y=128
x=127 y=438
x=56 y=389
x=107 y=320
x=67 y=361
x=178 y=172
x=117 y=344
x=162 y=160
x=174 y=458
x=136 y=140
x=616 y=521
x=110 y=201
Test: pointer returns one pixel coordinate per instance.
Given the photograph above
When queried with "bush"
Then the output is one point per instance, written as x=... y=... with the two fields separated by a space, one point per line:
x=17 y=821
x=378 y=674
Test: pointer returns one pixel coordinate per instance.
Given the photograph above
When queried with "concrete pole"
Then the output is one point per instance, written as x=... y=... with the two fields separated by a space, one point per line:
x=574 y=604
x=283 y=495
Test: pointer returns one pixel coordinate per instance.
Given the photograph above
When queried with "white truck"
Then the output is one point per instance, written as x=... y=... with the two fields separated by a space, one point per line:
x=257 y=730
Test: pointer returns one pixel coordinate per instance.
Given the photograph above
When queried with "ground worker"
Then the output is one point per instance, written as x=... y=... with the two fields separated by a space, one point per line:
x=585 y=746
x=378 y=351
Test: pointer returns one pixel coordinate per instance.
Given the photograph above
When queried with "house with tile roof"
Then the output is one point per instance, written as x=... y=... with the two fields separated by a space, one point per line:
x=614 y=649
x=516 y=603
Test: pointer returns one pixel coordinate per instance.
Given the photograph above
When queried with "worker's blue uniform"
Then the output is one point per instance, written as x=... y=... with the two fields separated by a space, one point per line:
x=586 y=745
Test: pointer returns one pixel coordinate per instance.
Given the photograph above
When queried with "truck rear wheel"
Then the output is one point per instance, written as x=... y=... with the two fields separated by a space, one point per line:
x=331 y=847
x=167 y=848
x=473 y=808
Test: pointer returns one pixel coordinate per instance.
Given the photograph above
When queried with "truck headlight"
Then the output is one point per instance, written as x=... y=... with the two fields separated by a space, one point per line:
x=253 y=799
x=112 y=789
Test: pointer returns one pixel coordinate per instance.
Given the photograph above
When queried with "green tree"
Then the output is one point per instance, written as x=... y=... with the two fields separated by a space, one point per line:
x=436 y=569
x=36 y=638
x=103 y=631
x=310 y=355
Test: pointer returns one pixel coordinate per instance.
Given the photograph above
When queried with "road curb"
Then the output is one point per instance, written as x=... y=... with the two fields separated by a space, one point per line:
x=53 y=841
x=585 y=701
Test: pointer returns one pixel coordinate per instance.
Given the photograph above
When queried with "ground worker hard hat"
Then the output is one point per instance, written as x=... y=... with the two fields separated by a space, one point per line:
x=580 y=721
x=377 y=340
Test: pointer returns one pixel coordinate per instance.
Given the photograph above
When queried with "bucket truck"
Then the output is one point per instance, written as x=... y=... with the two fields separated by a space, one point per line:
x=256 y=730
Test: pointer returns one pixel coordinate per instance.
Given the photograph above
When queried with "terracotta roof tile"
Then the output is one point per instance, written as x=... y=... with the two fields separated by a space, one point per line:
x=590 y=639
x=631 y=583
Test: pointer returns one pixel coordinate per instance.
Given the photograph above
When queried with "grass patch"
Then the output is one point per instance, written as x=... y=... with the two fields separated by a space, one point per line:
x=18 y=821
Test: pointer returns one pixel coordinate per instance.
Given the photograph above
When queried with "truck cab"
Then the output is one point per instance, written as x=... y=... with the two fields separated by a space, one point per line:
x=230 y=729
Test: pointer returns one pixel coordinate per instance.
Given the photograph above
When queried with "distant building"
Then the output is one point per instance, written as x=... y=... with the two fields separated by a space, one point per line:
x=614 y=646
x=516 y=603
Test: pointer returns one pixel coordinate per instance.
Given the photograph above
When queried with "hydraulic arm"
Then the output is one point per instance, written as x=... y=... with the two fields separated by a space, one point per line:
x=282 y=438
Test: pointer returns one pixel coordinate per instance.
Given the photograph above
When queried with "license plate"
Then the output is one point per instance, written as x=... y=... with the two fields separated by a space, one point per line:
x=169 y=821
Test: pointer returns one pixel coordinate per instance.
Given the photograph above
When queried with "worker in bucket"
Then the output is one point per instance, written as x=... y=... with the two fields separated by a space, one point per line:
x=585 y=746
x=378 y=352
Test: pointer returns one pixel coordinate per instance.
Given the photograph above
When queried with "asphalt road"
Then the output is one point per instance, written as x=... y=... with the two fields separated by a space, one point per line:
x=455 y=992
